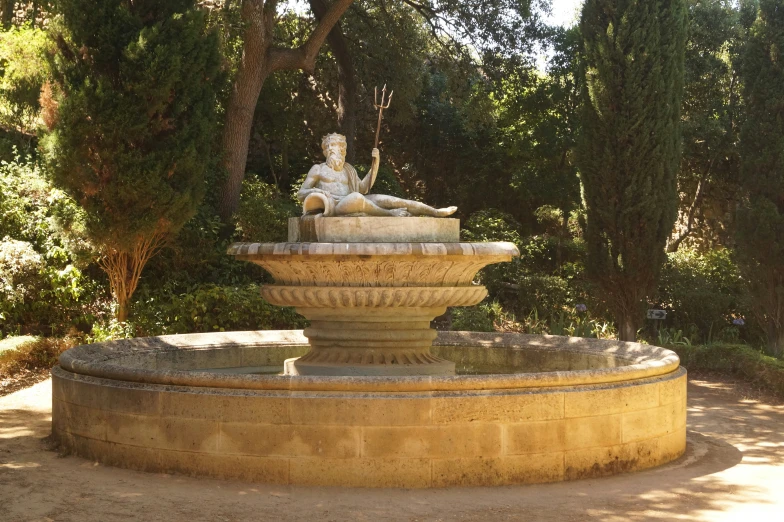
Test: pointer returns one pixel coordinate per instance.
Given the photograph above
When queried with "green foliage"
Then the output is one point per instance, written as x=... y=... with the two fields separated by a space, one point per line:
x=629 y=149
x=491 y=225
x=671 y=337
x=741 y=360
x=263 y=212
x=136 y=117
x=760 y=219
x=701 y=290
x=37 y=296
x=22 y=73
x=474 y=318
x=709 y=172
x=20 y=266
x=209 y=308
x=44 y=288
x=573 y=323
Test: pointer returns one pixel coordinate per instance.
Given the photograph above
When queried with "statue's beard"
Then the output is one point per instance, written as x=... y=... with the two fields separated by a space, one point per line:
x=335 y=162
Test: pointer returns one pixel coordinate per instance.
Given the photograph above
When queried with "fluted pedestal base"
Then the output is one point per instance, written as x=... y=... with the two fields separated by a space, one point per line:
x=370 y=341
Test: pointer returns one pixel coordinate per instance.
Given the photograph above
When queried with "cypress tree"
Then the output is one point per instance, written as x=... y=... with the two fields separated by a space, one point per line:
x=629 y=149
x=760 y=218
x=133 y=83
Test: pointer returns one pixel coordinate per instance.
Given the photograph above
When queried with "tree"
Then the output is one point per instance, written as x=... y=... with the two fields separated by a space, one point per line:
x=760 y=220
x=502 y=27
x=711 y=113
x=260 y=58
x=629 y=149
x=132 y=133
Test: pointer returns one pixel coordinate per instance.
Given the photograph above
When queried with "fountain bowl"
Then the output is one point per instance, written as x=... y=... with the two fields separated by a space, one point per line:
x=521 y=409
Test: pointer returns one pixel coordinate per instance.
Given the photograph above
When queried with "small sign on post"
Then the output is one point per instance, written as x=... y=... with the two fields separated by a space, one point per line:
x=657 y=315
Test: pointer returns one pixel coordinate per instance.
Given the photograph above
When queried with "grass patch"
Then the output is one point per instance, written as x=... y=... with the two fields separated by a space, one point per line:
x=742 y=361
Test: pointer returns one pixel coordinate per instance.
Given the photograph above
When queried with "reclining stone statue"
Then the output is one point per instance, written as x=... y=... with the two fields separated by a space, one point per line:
x=333 y=188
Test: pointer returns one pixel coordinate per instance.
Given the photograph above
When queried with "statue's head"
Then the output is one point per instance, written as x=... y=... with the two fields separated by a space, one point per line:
x=334 y=148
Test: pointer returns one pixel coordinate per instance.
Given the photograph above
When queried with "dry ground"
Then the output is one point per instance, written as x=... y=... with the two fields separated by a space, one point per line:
x=733 y=471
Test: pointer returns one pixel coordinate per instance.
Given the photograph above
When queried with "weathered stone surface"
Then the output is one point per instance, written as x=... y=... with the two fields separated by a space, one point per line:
x=371 y=431
x=318 y=229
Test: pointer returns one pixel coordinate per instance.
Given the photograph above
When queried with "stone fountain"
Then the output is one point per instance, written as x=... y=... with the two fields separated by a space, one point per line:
x=369 y=395
x=370 y=301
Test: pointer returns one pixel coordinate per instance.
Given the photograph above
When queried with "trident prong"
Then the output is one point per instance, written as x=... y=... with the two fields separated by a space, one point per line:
x=385 y=101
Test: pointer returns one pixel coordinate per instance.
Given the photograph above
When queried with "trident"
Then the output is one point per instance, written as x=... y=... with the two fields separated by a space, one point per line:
x=381 y=106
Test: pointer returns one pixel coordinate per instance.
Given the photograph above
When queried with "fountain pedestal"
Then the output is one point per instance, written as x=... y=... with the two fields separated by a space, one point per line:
x=370 y=302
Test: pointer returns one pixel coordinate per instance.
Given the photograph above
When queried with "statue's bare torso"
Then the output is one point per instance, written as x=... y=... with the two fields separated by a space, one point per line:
x=331 y=181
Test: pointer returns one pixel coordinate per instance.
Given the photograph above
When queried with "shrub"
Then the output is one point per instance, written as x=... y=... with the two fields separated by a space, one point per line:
x=749 y=364
x=473 y=318
x=22 y=73
x=262 y=216
x=209 y=308
x=701 y=289
x=42 y=251
x=491 y=225
x=20 y=267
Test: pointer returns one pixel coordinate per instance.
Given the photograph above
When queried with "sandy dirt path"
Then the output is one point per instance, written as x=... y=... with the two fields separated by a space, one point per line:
x=733 y=471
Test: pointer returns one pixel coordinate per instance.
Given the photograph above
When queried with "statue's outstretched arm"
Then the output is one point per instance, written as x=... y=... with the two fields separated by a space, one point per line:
x=308 y=186
x=366 y=184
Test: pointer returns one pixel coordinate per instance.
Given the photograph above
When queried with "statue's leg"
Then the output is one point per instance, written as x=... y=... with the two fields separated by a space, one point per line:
x=356 y=203
x=415 y=208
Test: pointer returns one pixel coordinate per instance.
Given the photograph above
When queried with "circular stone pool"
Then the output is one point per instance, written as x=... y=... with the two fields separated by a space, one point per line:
x=522 y=409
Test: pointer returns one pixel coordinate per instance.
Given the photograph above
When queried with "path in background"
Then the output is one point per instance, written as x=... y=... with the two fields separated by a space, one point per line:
x=733 y=471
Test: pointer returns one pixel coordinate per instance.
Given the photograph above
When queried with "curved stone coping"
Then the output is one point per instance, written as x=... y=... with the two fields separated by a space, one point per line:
x=105 y=360
x=249 y=251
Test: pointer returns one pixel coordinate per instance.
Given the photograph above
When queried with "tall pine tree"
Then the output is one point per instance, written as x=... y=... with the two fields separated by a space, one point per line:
x=760 y=218
x=629 y=150
x=130 y=138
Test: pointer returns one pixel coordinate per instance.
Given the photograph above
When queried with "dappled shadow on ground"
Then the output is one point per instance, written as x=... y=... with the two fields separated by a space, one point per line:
x=732 y=466
x=752 y=426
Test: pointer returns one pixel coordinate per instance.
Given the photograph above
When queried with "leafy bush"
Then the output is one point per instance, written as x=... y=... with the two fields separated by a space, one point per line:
x=744 y=361
x=263 y=213
x=46 y=290
x=41 y=298
x=491 y=225
x=473 y=318
x=20 y=267
x=701 y=289
x=209 y=308
x=22 y=74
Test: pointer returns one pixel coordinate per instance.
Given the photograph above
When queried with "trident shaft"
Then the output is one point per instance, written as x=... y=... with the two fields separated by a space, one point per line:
x=384 y=104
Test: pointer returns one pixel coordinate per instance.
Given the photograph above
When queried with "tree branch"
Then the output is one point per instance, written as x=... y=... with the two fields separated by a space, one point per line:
x=701 y=184
x=304 y=57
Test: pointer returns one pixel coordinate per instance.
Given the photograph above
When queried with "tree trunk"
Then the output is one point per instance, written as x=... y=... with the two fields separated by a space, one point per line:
x=9 y=9
x=284 y=169
x=776 y=343
x=242 y=105
x=259 y=60
x=124 y=269
x=347 y=83
x=122 y=308
x=627 y=328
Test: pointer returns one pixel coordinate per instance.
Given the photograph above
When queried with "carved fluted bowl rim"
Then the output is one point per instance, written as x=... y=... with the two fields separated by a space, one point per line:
x=105 y=360
x=250 y=251
x=373 y=296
